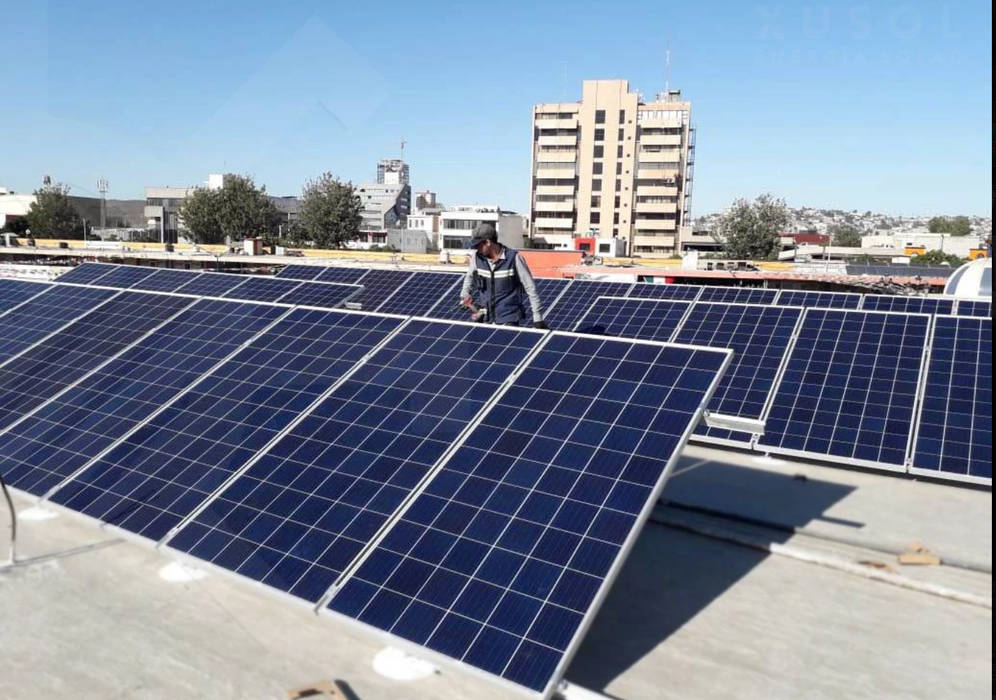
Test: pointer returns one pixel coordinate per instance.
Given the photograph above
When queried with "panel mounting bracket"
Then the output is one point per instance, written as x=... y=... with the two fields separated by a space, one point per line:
x=735 y=423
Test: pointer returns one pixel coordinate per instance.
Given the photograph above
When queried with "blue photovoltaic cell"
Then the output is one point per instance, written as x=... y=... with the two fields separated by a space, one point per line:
x=324 y=294
x=910 y=305
x=633 y=318
x=32 y=321
x=29 y=380
x=548 y=288
x=300 y=272
x=738 y=295
x=677 y=292
x=212 y=284
x=955 y=431
x=124 y=276
x=500 y=559
x=576 y=300
x=165 y=280
x=13 y=292
x=158 y=475
x=345 y=275
x=302 y=513
x=849 y=387
x=262 y=289
x=378 y=285
x=420 y=292
x=86 y=273
x=62 y=436
x=972 y=307
x=822 y=300
x=759 y=337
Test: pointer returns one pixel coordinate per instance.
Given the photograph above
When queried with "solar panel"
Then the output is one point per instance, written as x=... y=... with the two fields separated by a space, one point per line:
x=549 y=290
x=679 y=292
x=30 y=379
x=975 y=307
x=124 y=276
x=421 y=292
x=300 y=272
x=954 y=436
x=576 y=299
x=165 y=280
x=302 y=513
x=378 y=285
x=261 y=289
x=14 y=292
x=345 y=275
x=849 y=388
x=63 y=435
x=150 y=481
x=759 y=336
x=501 y=562
x=919 y=305
x=822 y=300
x=648 y=319
x=329 y=295
x=36 y=318
x=738 y=295
x=212 y=284
x=87 y=273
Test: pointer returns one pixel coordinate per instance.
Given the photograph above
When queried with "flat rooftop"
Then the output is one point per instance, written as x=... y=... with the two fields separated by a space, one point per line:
x=756 y=578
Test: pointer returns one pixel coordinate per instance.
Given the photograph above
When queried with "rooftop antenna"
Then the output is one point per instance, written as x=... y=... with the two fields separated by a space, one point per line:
x=403 y=143
x=667 y=69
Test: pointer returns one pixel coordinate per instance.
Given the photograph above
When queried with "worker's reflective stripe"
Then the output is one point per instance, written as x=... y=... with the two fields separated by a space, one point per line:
x=497 y=273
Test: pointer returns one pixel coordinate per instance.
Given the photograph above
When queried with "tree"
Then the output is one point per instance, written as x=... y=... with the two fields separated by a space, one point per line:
x=238 y=209
x=16 y=225
x=330 y=211
x=846 y=235
x=936 y=257
x=752 y=230
x=957 y=226
x=52 y=215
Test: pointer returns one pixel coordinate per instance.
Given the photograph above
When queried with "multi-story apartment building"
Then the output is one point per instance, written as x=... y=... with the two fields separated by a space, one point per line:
x=615 y=166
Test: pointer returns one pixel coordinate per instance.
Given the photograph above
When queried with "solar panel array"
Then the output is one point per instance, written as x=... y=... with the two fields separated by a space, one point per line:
x=849 y=388
x=499 y=563
x=578 y=297
x=87 y=273
x=975 y=307
x=30 y=379
x=124 y=276
x=39 y=316
x=738 y=295
x=908 y=304
x=302 y=272
x=14 y=292
x=303 y=512
x=759 y=337
x=822 y=300
x=150 y=481
x=378 y=286
x=954 y=434
x=681 y=292
x=634 y=318
x=422 y=292
x=346 y=275
x=60 y=437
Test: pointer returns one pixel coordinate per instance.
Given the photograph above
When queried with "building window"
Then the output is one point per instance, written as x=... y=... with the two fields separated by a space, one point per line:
x=599 y=134
x=596 y=201
x=615 y=218
x=618 y=168
x=618 y=185
x=596 y=185
x=622 y=116
x=599 y=116
x=617 y=202
x=596 y=168
x=619 y=151
x=599 y=151
x=595 y=217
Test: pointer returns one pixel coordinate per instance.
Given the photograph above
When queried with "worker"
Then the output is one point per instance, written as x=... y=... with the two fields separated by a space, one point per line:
x=498 y=282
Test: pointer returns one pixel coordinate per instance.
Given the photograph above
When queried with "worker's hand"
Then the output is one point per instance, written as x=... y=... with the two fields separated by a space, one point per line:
x=468 y=301
x=541 y=325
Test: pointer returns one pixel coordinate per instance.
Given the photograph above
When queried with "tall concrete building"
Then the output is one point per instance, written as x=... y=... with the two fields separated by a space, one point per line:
x=392 y=171
x=613 y=166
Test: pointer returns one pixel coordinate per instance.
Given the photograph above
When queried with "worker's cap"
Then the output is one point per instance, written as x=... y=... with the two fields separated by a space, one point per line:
x=483 y=232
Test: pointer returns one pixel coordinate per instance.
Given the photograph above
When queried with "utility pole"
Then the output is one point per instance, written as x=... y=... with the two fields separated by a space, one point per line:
x=102 y=188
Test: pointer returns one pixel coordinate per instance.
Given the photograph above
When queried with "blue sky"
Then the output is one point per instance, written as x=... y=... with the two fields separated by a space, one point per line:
x=883 y=106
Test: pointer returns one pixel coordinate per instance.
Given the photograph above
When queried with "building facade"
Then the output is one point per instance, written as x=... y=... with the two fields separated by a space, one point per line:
x=613 y=165
x=457 y=224
x=392 y=171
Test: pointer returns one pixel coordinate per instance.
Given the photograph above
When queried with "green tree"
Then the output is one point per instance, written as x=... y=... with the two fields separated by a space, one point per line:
x=752 y=230
x=845 y=235
x=238 y=209
x=936 y=257
x=52 y=215
x=956 y=226
x=330 y=211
